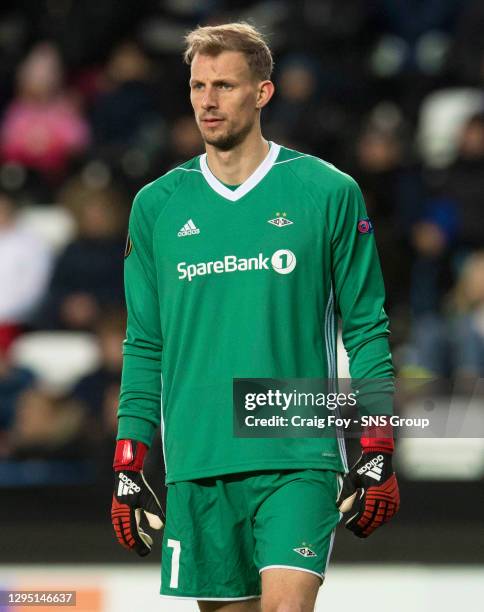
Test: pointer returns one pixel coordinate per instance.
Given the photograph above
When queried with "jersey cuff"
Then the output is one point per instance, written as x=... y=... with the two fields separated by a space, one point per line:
x=134 y=428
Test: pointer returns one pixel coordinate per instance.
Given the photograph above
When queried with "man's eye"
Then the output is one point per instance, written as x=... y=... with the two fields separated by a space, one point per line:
x=225 y=86
x=197 y=86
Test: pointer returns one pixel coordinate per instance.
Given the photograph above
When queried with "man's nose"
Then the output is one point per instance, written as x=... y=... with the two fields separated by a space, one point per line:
x=209 y=99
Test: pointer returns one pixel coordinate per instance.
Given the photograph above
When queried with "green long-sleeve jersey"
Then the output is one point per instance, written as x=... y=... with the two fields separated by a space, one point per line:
x=245 y=282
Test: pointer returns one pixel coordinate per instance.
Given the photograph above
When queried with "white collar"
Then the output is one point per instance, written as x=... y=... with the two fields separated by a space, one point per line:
x=244 y=188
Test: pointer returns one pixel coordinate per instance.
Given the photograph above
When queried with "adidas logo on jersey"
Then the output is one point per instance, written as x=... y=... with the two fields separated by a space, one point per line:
x=305 y=552
x=127 y=486
x=373 y=468
x=189 y=229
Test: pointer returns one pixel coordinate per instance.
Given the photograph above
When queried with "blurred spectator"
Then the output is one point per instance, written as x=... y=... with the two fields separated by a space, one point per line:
x=45 y=427
x=391 y=182
x=127 y=127
x=13 y=381
x=88 y=275
x=42 y=129
x=298 y=117
x=464 y=183
x=25 y=265
x=95 y=390
x=452 y=344
x=185 y=141
x=127 y=102
x=433 y=238
x=451 y=224
x=468 y=302
x=98 y=393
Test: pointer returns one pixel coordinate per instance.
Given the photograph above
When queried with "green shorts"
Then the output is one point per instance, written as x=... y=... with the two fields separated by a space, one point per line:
x=220 y=533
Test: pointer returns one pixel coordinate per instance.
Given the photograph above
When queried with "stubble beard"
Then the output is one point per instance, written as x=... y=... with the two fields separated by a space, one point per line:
x=227 y=141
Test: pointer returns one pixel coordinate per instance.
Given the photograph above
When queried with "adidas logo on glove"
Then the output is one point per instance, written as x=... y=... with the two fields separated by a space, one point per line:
x=127 y=486
x=373 y=468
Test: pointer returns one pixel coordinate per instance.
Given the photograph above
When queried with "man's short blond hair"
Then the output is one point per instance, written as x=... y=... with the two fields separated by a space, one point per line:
x=212 y=40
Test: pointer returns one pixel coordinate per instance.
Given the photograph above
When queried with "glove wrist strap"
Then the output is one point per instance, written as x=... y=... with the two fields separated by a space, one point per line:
x=377 y=439
x=129 y=455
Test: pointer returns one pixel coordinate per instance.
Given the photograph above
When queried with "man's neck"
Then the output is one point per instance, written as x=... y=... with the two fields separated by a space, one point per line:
x=235 y=166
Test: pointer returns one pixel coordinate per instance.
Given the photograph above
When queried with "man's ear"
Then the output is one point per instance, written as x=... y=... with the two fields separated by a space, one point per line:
x=265 y=93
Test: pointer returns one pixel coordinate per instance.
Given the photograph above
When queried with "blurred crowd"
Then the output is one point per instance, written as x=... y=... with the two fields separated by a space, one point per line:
x=94 y=104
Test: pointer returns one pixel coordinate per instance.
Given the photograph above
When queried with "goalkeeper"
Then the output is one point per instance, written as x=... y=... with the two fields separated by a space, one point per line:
x=238 y=264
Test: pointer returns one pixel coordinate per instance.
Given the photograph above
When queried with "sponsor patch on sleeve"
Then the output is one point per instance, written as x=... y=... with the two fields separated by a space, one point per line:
x=364 y=226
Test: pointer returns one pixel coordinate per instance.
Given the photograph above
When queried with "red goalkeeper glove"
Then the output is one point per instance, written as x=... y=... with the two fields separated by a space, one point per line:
x=370 y=489
x=132 y=494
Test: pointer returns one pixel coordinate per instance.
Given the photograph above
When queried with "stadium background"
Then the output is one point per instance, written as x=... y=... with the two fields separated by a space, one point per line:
x=94 y=104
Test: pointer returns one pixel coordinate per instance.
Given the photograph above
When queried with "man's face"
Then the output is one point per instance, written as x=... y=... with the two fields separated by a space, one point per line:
x=224 y=95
